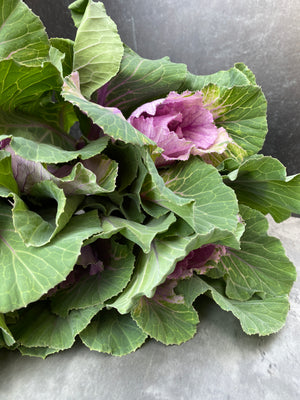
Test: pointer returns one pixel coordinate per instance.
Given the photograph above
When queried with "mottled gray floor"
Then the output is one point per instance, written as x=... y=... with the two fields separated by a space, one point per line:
x=220 y=363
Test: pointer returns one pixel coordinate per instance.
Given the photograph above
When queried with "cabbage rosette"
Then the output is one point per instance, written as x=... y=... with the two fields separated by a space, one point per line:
x=130 y=187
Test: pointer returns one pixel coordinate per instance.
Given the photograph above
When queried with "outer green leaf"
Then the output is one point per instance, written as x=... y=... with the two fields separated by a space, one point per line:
x=47 y=153
x=129 y=159
x=96 y=175
x=261 y=317
x=215 y=208
x=22 y=34
x=38 y=228
x=56 y=57
x=261 y=183
x=27 y=273
x=65 y=46
x=113 y=333
x=6 y=175
x=127 y=89
x=7 y=336
x=96 y=289
x=239 y=75
x=241 y=111
x=157 y=197
x=137 y=233
x=151 y=269
x=38 y=327
x=51 y=128
x=247 y=72
x=260 y=266
x=169 y=323
x=41 y=352
x=77 y=9
x=98 y=49
x=102 y=178
x=21 y=84
x=112 y=124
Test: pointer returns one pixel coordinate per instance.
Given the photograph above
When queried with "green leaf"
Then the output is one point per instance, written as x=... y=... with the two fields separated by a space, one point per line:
x=152 y=269
x=129 y=159
x=65 y=46
x=261 y=183
x=21 y=84
x=241 y=111
x=256 y=316
x=194 y=190
x=38 y=228
x=77 y=9
x=22 y=34
x=7 y=179
x=169 y=323
x=7 y=335
x=126 y=90
x=41 y=125
x=41 y=352
x=113 y=333
x=247 y=72
x=47 y=153
x=38 y=327
x=96 y=175
x=140 y=234
x=96 y=289
x=239 y=75
x=260 y=266
x=98 y=49
x=157 y=197
x=28 y=272
x=112 y=124
x=100 y=177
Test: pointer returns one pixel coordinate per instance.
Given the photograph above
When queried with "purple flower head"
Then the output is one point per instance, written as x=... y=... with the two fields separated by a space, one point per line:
x=181 y=125
x=199 y=260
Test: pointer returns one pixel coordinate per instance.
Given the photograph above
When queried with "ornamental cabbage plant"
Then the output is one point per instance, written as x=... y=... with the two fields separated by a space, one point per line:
x=128 y=188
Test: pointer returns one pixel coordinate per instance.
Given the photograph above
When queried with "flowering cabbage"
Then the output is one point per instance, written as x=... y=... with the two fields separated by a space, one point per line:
x=95 y=239
x=181 y=125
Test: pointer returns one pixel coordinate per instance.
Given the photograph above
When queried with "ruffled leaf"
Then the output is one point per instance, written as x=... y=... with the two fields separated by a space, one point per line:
x=241 y=110
x=98 y=49
x=8 y=338
x=126 y=90
x=167 y=322
x=239 y=75
x=261 y=183
x=95 y=289
x=260 y=266
x=152 y=269
x=137 y=233
x=256 y=316
x=28 y=273
x=113 y=333
x=48 y=153
x=185 y=190
x=22 y=34
x=109 y=119
x=38 y=327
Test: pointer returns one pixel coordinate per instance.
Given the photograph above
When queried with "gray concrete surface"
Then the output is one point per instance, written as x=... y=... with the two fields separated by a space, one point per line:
x=220 y=363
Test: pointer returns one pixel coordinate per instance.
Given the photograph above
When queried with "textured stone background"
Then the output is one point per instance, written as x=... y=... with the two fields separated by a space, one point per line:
x=212 y=35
